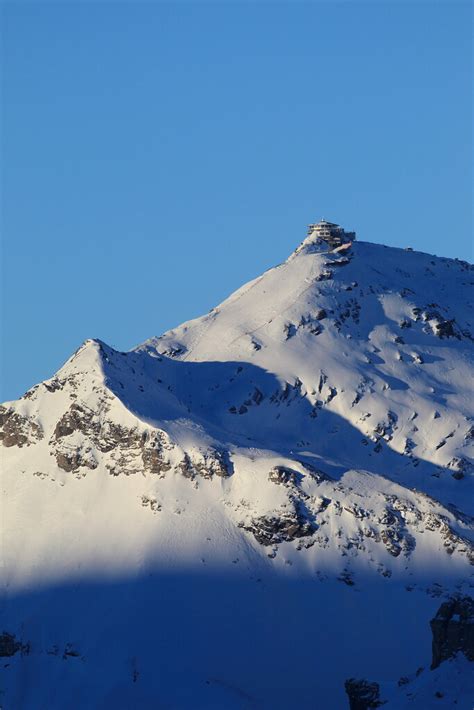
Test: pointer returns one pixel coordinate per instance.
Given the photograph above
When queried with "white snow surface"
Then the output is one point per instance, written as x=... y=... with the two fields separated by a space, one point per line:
x=254 y=506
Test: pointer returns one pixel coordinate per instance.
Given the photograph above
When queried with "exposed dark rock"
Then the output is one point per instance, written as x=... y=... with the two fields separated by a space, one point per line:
x=395 y=535
x=18 y=429
x=130 y=449
x=213 y=463
x=186 y=467
x=173 y=351
x=362 y=694
x=350 y=309
x=391 y=539
x=347 y=578
x=310 y=323
x=357 y=511
x=154 y=461
x=70 y=652
x=460 y=466
x=150 y=502
x=54 y=385
x=273 y=529
x=469 y=435
x=453 y=630
x=283 y=475
x=445 y=329
x=9 y=645
x=31 y=393
x=322 y=381
x=76 y=418
x=73 y=460
x=289 y=392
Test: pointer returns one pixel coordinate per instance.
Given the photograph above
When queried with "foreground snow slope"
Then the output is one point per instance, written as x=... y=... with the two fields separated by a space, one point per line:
x=260 y=503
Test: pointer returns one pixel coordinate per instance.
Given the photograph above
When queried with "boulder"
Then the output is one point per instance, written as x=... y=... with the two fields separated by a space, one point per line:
x=362 y=694
x=453 y=630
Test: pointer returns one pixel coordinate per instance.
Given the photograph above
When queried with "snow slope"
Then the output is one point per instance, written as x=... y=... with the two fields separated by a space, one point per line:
x=253 y=507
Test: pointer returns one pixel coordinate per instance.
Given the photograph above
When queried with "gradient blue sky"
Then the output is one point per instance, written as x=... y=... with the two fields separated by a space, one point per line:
x=158 y=155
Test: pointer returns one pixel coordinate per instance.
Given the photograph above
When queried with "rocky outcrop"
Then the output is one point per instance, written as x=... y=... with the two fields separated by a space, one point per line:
x=452 y=542
x=83 y=438
x=453 y=630
x=213 y=462
x=17 y=429
x=460 y=467
x=74 y=459
x=9 y=645
x=103 y=433
x=282 y=475
x=151 y=502
x=388 y=520
x=445 y=329
x=76 y=418
x=274 y=529
x=207 y=464
x=270 y=530
x=130 y=449
x=362 y=694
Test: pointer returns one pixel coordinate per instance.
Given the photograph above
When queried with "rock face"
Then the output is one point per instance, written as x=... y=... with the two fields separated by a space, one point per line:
x=453 y=630
x=17 y=429
x=362 y=694
x=273 y=530
x=453 y=633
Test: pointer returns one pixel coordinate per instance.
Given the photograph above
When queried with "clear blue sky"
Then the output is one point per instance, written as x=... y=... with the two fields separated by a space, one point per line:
x=158 y=155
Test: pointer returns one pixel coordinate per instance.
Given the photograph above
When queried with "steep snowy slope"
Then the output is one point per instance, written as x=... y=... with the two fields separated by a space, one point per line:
x=262 y=502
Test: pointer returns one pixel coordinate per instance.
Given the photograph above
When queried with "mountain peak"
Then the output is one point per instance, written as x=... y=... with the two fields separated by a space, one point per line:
x=316 y=426
x=324 y=236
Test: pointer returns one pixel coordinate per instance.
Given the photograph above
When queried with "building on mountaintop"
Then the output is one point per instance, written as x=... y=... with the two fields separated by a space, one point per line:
x=331 y=233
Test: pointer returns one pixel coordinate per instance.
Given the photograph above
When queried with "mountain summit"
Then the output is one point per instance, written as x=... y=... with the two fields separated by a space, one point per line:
x=252 y=507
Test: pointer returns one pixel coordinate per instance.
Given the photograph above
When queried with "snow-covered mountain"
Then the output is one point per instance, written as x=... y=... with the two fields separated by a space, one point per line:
x=251 y=508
